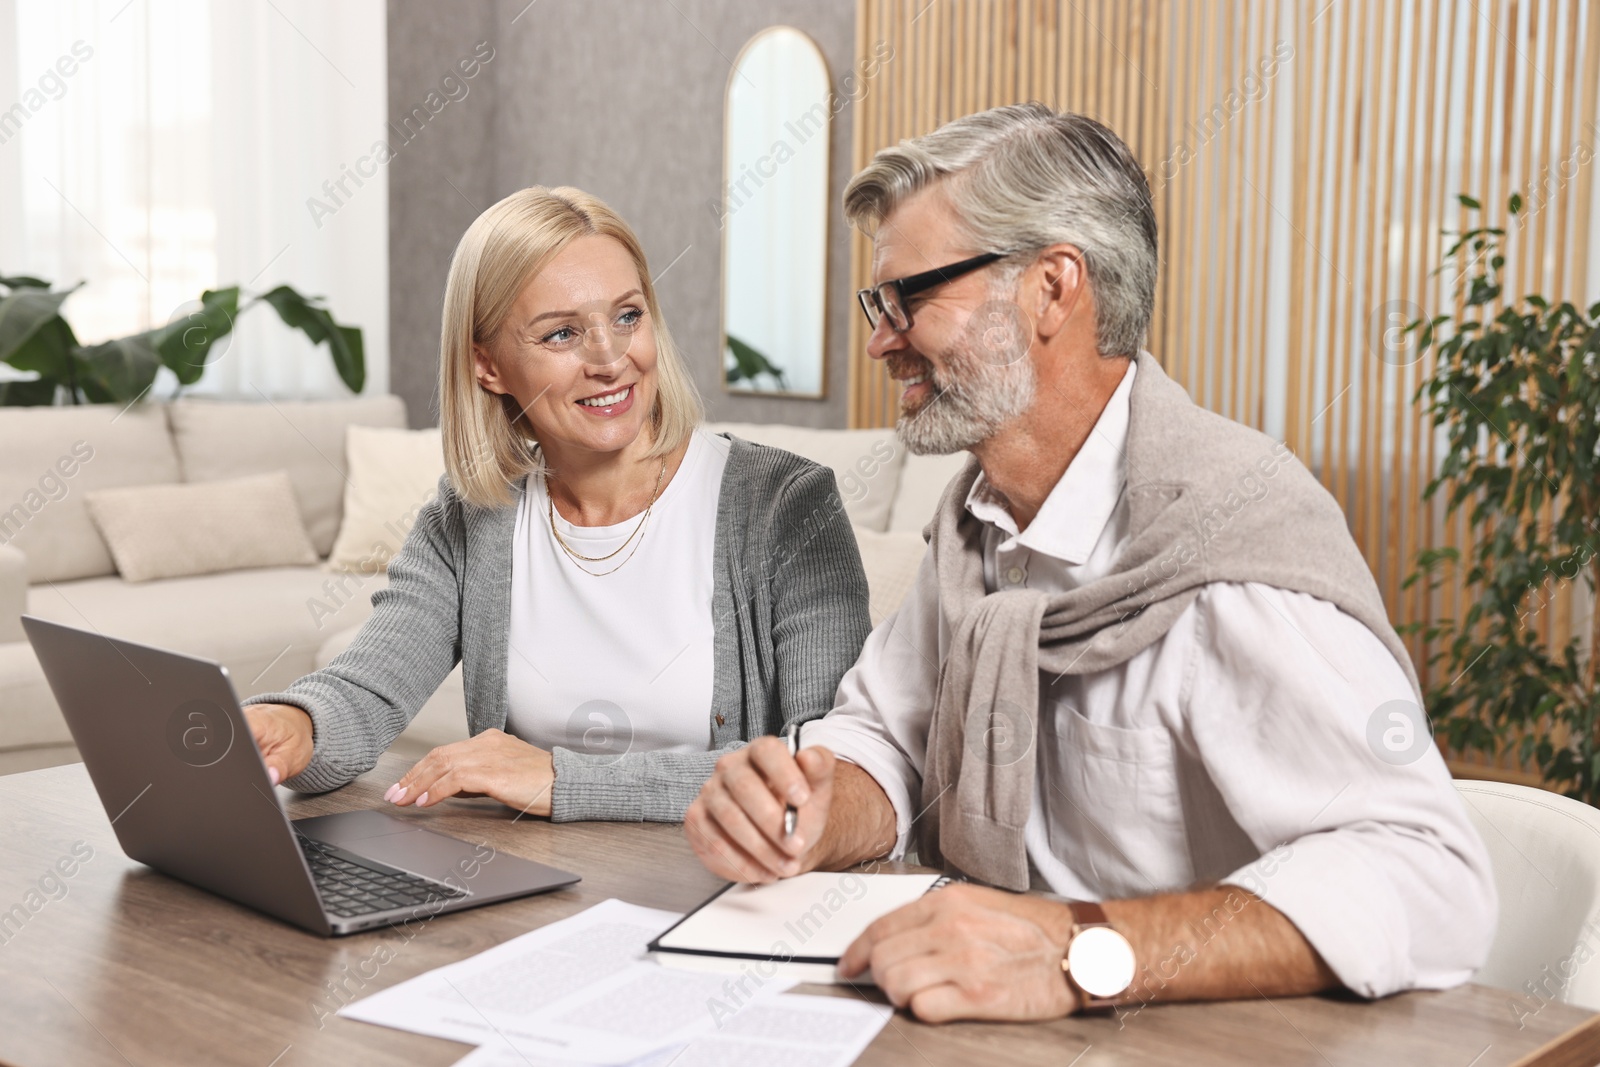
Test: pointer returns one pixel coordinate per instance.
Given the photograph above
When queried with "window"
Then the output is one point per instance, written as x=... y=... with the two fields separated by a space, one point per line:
x=156 y=150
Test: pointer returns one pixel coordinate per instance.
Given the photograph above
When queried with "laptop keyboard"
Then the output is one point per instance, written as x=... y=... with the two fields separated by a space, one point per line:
x=349 y=888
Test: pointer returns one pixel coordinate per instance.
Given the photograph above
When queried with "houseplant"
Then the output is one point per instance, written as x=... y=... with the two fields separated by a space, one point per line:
x=35 y=337
x=748 y=364
x=1517 y=395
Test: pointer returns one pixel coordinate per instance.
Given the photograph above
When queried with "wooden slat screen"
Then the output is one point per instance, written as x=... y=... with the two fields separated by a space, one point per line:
x=1304 y=156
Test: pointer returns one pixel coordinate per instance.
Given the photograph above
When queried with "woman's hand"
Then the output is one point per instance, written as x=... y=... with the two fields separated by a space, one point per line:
x=283 y=734
x=492 y=764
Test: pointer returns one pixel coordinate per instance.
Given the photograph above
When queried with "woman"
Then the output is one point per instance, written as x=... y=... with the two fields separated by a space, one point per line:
x=629 y=595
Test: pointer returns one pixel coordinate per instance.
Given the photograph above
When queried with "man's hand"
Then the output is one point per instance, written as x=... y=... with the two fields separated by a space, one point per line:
x=284 y=735
x=966 y=952
x=492 y=764
x=735 y=825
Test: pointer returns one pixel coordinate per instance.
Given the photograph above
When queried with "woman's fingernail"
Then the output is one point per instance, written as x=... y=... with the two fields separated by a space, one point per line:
x=798 y=795
x=394 y=793
x=272 y=775
x=421 y=800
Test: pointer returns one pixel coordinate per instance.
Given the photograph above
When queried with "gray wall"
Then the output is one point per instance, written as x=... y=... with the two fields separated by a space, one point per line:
x=426 y=215
x=623 y=98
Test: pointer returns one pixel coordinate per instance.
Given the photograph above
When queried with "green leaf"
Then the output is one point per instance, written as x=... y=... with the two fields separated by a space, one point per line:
x=119 y=370
x=1430 y=557
x=39 y=392
x=24 y=281
x=48 y=352
x=750 y=364
x=344 y=342
x=33 y=335
x=1467 y=201
x=1514 y=203
x=184 y=345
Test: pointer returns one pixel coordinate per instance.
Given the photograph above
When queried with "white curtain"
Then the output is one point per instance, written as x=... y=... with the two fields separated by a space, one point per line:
x=156 y=148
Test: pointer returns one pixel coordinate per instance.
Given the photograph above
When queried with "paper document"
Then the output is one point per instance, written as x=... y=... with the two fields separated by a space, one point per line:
x=576 y=990
x=783 y=1031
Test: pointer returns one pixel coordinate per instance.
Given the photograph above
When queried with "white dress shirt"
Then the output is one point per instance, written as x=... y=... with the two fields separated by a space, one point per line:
x=1234 y=750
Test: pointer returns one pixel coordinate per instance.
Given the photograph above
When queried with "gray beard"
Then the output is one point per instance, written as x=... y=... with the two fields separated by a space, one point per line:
x=975 y=401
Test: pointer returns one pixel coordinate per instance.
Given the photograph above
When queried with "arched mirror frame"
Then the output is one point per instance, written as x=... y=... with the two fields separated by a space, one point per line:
x=821 y=392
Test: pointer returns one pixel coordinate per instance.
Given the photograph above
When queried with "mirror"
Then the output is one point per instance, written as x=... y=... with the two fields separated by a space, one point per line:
x=774 y=216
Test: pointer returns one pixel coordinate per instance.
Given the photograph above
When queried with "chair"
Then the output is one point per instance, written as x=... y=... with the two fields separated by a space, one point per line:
x=1545 y=849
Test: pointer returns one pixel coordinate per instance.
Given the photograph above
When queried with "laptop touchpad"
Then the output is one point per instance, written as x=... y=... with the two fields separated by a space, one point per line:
x=347 y=827
x=444 y=859
x=398 y=842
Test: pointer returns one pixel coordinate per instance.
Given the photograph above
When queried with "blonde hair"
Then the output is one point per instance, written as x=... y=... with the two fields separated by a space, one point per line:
x=489 y=442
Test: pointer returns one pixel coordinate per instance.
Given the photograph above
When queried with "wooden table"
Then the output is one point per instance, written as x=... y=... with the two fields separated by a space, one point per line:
x=119 y=965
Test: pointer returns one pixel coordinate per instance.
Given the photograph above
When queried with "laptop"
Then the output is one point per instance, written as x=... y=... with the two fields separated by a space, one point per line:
x=169 y=751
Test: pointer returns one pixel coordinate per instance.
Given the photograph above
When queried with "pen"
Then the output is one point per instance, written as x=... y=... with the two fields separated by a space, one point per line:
x=789 y=812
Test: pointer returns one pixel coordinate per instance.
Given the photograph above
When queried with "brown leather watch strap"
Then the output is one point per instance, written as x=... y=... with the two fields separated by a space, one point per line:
x=1086 y=913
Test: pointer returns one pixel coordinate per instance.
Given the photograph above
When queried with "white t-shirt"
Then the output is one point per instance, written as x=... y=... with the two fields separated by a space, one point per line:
x=619 y=662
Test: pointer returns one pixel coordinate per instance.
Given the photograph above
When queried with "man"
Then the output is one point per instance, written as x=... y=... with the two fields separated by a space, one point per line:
x=1143 y=663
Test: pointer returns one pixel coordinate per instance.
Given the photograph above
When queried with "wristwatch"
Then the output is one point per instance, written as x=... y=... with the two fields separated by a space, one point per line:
x=1099 y=962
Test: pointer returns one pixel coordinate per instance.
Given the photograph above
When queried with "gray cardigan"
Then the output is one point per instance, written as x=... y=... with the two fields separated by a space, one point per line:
x=790 y=600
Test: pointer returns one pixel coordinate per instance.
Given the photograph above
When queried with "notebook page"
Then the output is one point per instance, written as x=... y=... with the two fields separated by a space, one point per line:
x=814 y=914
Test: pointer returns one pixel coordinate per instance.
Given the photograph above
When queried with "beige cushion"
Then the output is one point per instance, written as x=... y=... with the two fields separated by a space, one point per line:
x=891 y=561
x=922 y=482
x=168 y=531
x=219 y=439
x=392 y=475
x=866 y=463
x=52 y=457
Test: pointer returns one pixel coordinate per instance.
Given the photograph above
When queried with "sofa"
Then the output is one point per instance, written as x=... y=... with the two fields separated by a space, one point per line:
x=268 y=625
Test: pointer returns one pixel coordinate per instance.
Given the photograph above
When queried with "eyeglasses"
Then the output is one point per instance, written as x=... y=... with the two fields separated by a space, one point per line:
x=888 y=299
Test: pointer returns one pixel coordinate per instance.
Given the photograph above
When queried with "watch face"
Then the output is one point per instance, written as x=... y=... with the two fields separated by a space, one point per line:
x=1101 y=962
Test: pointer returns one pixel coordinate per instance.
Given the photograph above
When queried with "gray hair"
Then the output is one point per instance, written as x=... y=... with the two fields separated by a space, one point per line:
x=1023 y=178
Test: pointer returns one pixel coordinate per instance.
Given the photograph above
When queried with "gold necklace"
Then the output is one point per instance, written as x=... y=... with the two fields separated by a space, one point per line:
x=638 y=531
